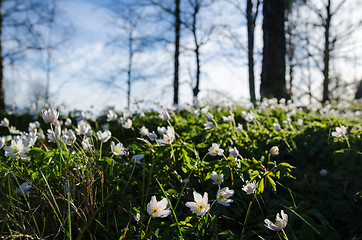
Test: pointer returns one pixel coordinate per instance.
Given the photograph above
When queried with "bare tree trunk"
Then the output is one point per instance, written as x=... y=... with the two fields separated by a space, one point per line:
x=291 y=65
x=251 y=18
x=273 y=69
x=129 y=70
x=177 y=53
x=196 y=89
x=359 y=91
x=327 y=50
x=50 y=23
x=290 y=47
x=2 y=93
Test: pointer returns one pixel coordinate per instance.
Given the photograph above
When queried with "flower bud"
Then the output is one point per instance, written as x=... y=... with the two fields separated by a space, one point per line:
x=323 y=172
x=274 y=151
x=50 y=115
x=164 y=115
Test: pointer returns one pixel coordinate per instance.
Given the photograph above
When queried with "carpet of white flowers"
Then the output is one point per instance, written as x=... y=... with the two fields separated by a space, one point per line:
x=276 y=171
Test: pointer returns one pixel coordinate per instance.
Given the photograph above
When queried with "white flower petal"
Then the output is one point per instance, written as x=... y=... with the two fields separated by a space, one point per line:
x=197 y=197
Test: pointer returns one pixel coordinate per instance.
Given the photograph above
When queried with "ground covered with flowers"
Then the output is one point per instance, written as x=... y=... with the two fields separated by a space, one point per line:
x=209 y=172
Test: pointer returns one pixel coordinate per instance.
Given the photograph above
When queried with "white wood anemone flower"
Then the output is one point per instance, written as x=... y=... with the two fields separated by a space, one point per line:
x=152 y=136
x=111 y=116
x=127 y=124
x=209 y=125
x=323 y=172
x=144 y=131
x=68 y=137
x=280 y=222
x=216 y=150
x=158 y=208
x=137 y=158
x=118 y=149
x=4 y=122
x=164 y=115
x=216 y=178
x=239 y=128
x=340 y=131
x=23 y=190
x=17 y=150
x=249 y=187
x=233 y=152
x=2 y=142
x=200 y=206
x=277 y=127
x=84 y=128
x=50 y=115
x=104 y=136
x=168 y=137
x=274 y=151
x=223 y=195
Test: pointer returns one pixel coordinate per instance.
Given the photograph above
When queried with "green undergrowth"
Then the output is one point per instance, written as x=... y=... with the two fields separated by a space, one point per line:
x=91 y=193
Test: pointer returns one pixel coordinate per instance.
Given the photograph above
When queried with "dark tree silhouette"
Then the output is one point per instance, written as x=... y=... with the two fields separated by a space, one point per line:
x=200 y=37
x=359 y=91
x=177 y=52
x=19 y=34
x=327 y=51
x=251 y=16
x=130 y=40
x=173 y=11
x=273 y=66
x=2 y=93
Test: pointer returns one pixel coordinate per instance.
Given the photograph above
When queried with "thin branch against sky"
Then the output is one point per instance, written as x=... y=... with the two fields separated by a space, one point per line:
x=87 y=59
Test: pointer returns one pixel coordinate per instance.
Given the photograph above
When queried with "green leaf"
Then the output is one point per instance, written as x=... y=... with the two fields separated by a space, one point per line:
x=260 y=186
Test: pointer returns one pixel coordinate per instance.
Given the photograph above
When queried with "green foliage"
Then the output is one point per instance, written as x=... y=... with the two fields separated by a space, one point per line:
x=81 y=193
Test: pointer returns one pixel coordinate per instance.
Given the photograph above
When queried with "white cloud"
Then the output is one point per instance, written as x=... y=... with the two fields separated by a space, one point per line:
x=87 y=60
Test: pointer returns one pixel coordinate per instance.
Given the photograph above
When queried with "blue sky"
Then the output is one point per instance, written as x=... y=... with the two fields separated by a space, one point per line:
x=85 y=61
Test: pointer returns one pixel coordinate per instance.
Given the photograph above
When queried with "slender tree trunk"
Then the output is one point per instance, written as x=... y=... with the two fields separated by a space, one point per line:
x=2 y=92
x=129 y=70
x=177 y=53
x=251 y=27
x=291 y=66
x=196 y=89
x=327 y=51
x=48 y=69
x=51 y=10
x=273 y=69
x=359 y=91
x=290 y=53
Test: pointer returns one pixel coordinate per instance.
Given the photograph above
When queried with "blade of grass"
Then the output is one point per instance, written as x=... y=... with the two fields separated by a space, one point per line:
x=56 y=208
x=173 y=211
x=90 y=221
x=8 y=208
x=69 y=216
x=183 y=188
x=28 y=205
x=125 y=232
x=104 y=227
x=246 y=218
x=306 y=222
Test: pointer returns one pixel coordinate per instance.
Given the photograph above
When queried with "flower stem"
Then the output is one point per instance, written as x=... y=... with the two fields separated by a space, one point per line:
x=205 y=224
x=148 y=223
x=285 y=235
x=348 y=145
x=173 y=156
x=183 y=188
x=100 y=151
x=246 y=218
x=286 y=142
x=172 y=209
